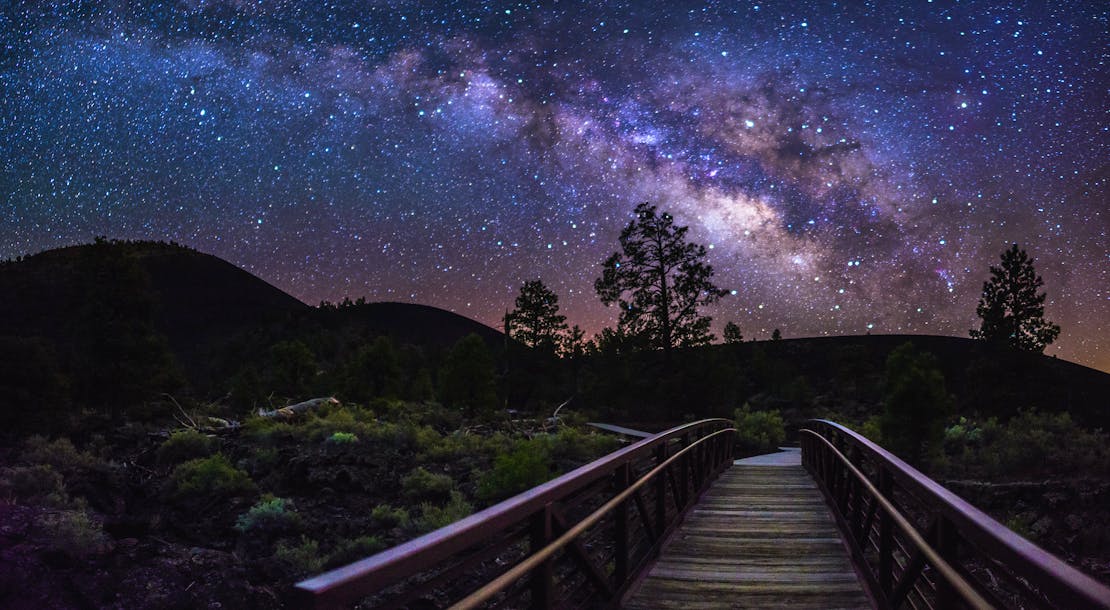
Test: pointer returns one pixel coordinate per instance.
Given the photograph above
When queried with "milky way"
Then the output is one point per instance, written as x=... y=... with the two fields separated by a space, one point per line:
x=852 y=169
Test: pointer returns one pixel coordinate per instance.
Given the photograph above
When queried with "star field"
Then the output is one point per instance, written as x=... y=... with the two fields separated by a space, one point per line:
x=852 y=167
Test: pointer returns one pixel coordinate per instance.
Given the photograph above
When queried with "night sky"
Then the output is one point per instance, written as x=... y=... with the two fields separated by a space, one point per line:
x=852 y=168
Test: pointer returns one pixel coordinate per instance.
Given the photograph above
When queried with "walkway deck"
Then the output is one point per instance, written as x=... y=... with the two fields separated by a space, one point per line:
x=761 y=537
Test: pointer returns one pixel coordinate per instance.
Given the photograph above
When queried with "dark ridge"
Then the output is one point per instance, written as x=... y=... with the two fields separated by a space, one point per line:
x=211 y=312
x=198 y=299
x=982 y=377
x=409 y=323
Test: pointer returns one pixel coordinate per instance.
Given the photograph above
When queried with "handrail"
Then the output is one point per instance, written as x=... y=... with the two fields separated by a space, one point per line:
x=966 y=591
x=964 y=534
x=348 y=584
x=529 y=564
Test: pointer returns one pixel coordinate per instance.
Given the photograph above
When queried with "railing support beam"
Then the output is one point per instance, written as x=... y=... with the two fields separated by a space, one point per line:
x=543 y=577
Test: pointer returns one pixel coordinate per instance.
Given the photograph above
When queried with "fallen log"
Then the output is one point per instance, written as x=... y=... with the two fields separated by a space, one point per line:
x=292 y=411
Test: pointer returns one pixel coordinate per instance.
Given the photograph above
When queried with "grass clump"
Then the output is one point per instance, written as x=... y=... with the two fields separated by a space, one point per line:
x=433 y=517
x=421 y=485
x=524 y=467
x=342 y=438
x=352 y=550
x=385 y=516
x=209 y=477
x=73 y=533
x=270 y=514
x=59 y=453
x=186 y=445
x=303 y=558
x=38 y=484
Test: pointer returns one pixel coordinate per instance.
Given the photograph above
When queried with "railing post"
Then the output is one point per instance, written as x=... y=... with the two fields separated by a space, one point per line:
x=684 y=471
x=620 y=527
x=543 y=577
x=857 y=512
x=948 y=542
x=661 y=491
x=699 y=470
x=886 y=537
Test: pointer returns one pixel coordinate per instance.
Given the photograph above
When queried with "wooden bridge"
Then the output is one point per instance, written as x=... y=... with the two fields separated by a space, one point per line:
x=672 y=522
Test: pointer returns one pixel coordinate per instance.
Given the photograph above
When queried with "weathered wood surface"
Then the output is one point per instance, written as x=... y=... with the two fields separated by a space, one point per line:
x=761 y=537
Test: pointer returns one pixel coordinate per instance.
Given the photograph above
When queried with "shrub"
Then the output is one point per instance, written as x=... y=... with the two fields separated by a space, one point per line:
x=572 y=445
x=759 y=430
x=73 y=533
x=419 y=484
x=872 y=429
x=209 y=477
x=523 y=468
x=342 y=438
x=40 y=484
x=59 y=453
x=263 y=459
x=304 y=558
x=1029 y=444
x=186 y=445
x=433 y=517
x=270 y=514
x=353 y=550
x=385 y=516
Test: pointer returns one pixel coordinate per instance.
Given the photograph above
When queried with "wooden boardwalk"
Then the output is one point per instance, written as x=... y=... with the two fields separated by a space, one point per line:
x=761 y=537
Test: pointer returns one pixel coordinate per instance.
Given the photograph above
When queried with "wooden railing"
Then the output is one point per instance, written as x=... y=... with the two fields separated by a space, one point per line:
x=576 y=541
x=919 y=545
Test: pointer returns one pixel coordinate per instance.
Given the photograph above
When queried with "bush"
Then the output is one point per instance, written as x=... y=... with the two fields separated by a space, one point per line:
x=304 y=558
x=59 y=453
x=419 y=484
x=759 y=430
x=385 y=516
x=352 y=550
x=186 y=445
x=433 y=517
x=342 y=438
x=39 y=484
x=872 y=428
x=73 y=533
x=523 y=468
x=1030 y=444
x=209 y=477
x=270 y=514
x=571 y=445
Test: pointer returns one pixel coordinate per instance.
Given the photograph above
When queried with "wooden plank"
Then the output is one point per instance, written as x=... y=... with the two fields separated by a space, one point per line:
x=762 y=537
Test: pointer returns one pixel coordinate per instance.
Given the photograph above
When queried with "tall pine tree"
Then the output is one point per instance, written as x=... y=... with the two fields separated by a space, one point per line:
x=659 y=280
x=536 y=321
x=1011 y=311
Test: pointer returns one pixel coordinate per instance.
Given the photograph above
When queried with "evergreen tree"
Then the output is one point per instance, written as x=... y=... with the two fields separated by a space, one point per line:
x=732 y=333
x=1011 y=311
x=374 y=372
x=659 y=281
x=466 y=380
x=776 y=335
x=916 y=403
x=292 y=368
x=536 y=321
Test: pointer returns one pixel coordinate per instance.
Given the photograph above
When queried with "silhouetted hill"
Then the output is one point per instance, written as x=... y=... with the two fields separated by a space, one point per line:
x=409 y=323
x=198 y=299
x=214 y=315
